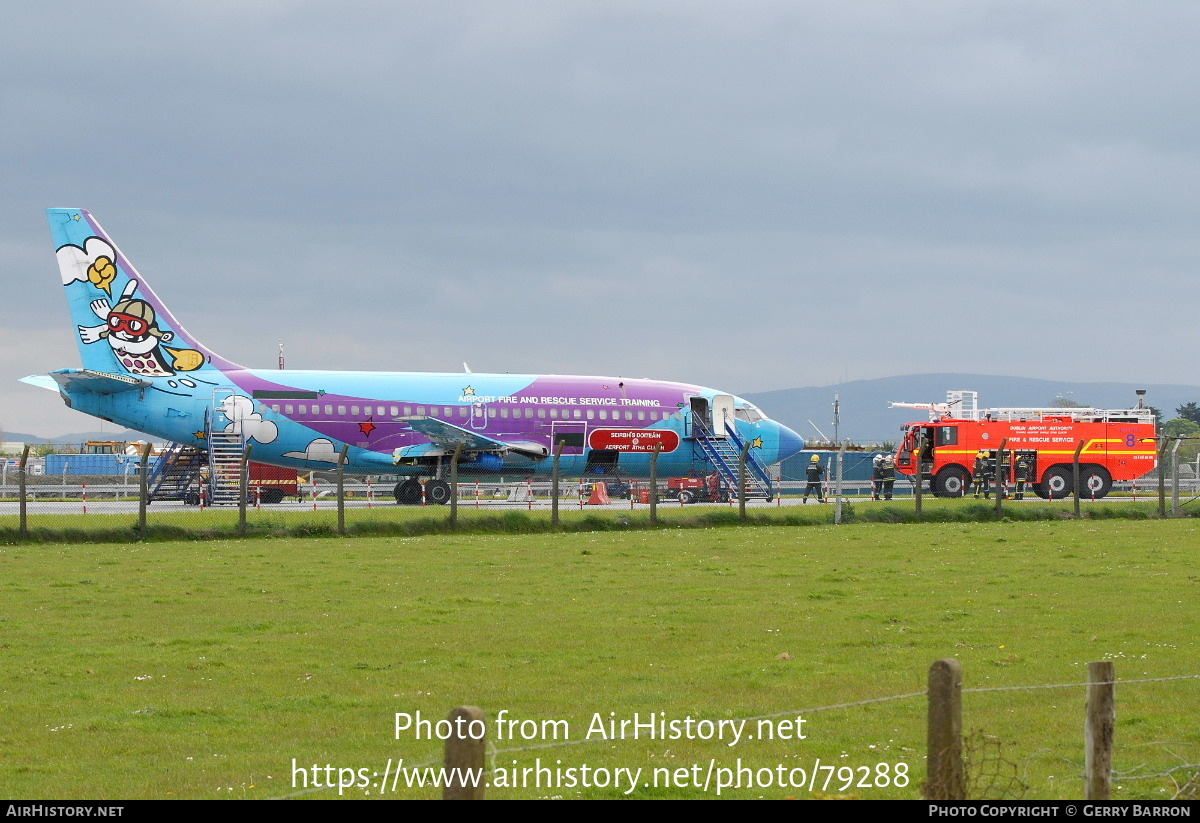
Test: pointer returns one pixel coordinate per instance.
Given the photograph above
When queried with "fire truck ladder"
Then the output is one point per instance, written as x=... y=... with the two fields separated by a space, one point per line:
x=725 y=452
x=176 y=471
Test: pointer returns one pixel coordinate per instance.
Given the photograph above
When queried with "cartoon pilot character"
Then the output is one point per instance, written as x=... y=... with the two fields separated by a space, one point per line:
x=132 y=330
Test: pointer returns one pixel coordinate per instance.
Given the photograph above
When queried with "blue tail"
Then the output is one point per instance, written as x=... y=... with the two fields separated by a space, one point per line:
x=122 y=327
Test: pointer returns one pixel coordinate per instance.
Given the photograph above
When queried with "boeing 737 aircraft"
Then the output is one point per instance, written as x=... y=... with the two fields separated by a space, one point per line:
x=141 y=369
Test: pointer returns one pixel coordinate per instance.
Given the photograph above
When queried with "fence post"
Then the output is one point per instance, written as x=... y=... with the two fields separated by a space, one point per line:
x=244 y=491
x=454 y=484
x=1175 y=475
x=21 y=491
x=919 y=481
x=1101 y=723
x=837 y=484
x=654 y=484
x=553 y=485
x=464 y=751
x=946 y=779
x=341 y=489
x=1162 y=477
x=143 y=488
x=1001 y=478
x=742 y=481
x=1075 y=478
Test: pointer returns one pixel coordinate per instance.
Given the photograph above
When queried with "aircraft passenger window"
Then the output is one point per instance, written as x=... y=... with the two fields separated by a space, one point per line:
x=504 y=412
x=541 y=414
x=329 y=411
x=492 y=413
x=604 y=414
x=628 y=415
x=528 y=412
x=288 y=408
x=395 y=411
x=590 y=414
x=462 y=411
x=420 y=410
x=554 y=413
x=275 y=408
x=341 y=411
x=303 y=409
x=407 y=410
x=641 y=415
x=448 y=412
x=575 y=413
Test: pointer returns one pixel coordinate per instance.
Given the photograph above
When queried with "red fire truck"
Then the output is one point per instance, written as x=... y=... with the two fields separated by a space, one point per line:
x=1118 y=444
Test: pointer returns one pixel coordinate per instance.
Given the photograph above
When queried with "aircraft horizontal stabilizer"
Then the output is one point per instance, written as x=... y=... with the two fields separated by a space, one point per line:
x=97 y=382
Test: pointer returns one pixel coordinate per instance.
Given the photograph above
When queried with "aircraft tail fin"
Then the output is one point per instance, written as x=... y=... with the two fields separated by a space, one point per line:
x=121 y=325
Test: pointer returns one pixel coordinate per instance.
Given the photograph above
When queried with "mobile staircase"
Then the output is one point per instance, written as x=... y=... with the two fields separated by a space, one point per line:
x=725 y=452
x=176 y=472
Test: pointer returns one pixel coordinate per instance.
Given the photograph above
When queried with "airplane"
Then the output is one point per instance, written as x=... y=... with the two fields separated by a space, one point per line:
x=143 y=370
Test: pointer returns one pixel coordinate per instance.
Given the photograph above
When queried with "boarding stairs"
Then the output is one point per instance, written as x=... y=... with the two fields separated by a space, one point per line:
x=725 y=452
x=226 y=450
x=176 y=472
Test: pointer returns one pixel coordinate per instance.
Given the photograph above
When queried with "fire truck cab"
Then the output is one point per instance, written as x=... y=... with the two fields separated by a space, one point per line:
x=1118 y=444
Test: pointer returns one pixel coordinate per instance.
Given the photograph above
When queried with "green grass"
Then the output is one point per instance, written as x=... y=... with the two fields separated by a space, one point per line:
x=200 y=668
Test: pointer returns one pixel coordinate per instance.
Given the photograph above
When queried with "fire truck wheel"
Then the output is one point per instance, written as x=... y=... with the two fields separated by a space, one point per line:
x=952 y=481
x=687 y=496
x=437 y=492
x=1057 y=483
x=272 y=496
x=408 y=492
x=1095 y=480
x=1040 y=490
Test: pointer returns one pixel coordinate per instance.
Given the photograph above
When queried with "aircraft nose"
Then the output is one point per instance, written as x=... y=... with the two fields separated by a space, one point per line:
x=789 y=442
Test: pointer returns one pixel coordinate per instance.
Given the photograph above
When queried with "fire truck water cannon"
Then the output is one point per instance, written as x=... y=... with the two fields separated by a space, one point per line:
x=959 y=447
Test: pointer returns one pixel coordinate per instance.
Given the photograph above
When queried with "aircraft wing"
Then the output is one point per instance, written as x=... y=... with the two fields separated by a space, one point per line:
x=448 y=436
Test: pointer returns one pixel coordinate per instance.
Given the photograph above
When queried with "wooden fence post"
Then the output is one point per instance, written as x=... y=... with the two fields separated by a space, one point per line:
x=244 y=491
x=454 y=484
x=947 y=777
x=1101 y=723
x=341 y=490
x=553 y=484
x=1001 y=476
x=654 y=484
x=23 y=491
x=464 y=752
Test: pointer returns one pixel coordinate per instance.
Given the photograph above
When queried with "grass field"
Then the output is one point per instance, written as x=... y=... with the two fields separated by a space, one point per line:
x=201 y=669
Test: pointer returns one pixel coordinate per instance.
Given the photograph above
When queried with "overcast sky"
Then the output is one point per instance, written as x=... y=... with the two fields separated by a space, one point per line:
x=744 y=195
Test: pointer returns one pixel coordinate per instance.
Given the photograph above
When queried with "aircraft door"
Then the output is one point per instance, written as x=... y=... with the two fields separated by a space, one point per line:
x=478 y=416
x=700 y=415
x=722 y=415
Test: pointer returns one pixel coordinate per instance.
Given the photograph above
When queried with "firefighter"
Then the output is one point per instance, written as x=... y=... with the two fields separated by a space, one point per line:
x=876 y=477
x=1022 y=469
x=815 y=473
x=980 y=475
x=887 y=476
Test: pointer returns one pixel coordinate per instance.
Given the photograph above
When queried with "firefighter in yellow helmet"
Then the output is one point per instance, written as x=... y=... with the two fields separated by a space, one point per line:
x=814 y=474
x=980 y=475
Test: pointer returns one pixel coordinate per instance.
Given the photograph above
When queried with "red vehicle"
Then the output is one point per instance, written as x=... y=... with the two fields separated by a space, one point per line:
x=705 y=489
x=1119 y=444
x=273 y=482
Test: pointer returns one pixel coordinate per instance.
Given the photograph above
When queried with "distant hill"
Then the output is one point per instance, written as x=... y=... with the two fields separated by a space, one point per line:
x=76 y=438
x=866 y=418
